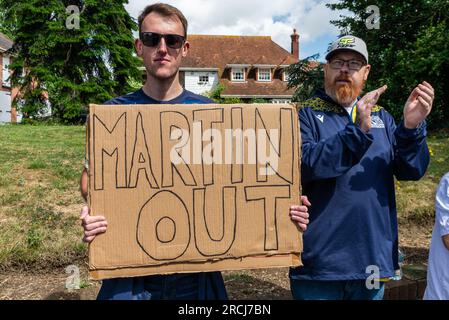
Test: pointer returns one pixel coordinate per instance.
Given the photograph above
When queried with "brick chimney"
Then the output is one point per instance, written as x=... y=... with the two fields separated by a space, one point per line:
x=295 y=44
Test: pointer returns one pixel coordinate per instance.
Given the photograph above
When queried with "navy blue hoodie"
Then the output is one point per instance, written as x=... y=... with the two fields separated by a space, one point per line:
x=348 y=176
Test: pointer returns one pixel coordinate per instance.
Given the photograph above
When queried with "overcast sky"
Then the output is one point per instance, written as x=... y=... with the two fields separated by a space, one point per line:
x=275 y=18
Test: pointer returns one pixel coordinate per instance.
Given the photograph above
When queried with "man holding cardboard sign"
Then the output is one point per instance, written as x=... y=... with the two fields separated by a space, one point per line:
x=352 y=150
x=147 y=178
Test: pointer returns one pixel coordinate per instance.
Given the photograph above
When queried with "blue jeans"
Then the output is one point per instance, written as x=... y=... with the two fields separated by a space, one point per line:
x=334 y=290
x=188 y=286
x=173 y=287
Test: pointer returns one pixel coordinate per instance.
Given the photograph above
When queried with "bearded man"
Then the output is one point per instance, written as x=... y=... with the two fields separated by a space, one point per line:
x=352 y=150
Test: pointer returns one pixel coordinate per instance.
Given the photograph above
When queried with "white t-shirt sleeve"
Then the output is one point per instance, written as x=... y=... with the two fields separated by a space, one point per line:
x=442 y=206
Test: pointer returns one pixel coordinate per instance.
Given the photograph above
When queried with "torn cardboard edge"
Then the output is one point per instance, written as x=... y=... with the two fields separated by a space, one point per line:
x=255 y=262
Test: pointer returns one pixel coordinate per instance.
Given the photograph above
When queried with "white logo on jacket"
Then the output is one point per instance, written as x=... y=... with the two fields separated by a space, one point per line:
x=377 y=122
x=320 y=117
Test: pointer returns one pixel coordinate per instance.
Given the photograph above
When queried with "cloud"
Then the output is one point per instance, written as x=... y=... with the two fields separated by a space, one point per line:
x=255 y=17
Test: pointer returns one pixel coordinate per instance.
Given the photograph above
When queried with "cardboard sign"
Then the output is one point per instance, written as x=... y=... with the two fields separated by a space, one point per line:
x=189 y=188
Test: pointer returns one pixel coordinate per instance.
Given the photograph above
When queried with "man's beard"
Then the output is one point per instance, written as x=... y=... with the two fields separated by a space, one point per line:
x=344 y=94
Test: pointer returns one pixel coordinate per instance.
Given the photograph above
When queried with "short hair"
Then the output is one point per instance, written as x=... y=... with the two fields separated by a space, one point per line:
x=164 y=10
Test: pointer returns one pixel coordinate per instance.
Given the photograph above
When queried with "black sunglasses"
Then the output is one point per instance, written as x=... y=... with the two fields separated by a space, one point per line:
x=152 y=39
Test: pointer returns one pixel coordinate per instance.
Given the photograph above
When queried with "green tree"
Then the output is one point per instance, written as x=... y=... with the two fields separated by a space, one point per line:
x=76 y=64
x=6 y=27
x=306 y=76
x=215 y=94
x=411 y=45
x=258 y=100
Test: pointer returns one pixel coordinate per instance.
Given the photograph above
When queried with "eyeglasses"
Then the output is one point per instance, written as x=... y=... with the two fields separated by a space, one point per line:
x=152 y=39
x=352 y=64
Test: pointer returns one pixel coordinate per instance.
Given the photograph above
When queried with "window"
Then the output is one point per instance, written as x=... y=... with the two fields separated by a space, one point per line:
x=286 y=76
x=238 y=74
x=204 y=79
x=278 y=101
x=264 y=74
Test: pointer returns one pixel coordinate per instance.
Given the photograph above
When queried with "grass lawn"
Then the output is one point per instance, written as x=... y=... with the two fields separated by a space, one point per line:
x=416 y=200
x=40 y=200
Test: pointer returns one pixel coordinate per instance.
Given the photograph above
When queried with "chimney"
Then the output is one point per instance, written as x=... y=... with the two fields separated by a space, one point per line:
x=295 y=44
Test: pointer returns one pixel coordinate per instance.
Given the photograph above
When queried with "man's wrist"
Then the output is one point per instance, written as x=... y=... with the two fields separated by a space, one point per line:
x=411 y=133
x=412 y=126
x=362 y=125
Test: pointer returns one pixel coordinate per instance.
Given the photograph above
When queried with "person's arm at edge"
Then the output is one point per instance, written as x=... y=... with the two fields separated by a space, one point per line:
x=442 y=210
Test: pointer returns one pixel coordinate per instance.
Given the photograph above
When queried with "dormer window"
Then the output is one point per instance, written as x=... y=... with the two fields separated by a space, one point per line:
x=285 y=76
x=264 y=75
x=238 y=74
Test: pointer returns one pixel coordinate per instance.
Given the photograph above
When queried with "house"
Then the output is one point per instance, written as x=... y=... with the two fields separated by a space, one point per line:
x=249 y=67
x=7 y=94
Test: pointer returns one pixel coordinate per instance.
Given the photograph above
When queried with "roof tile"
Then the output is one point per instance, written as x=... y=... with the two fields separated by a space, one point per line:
x=5 y=42
x=211 y=51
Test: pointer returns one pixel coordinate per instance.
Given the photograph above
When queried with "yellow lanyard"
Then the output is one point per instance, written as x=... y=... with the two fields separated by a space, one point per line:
x=354 y=111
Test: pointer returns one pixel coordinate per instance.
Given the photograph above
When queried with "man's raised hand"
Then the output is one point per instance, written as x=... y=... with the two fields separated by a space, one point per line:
x=364 y=106
x=418 y=105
